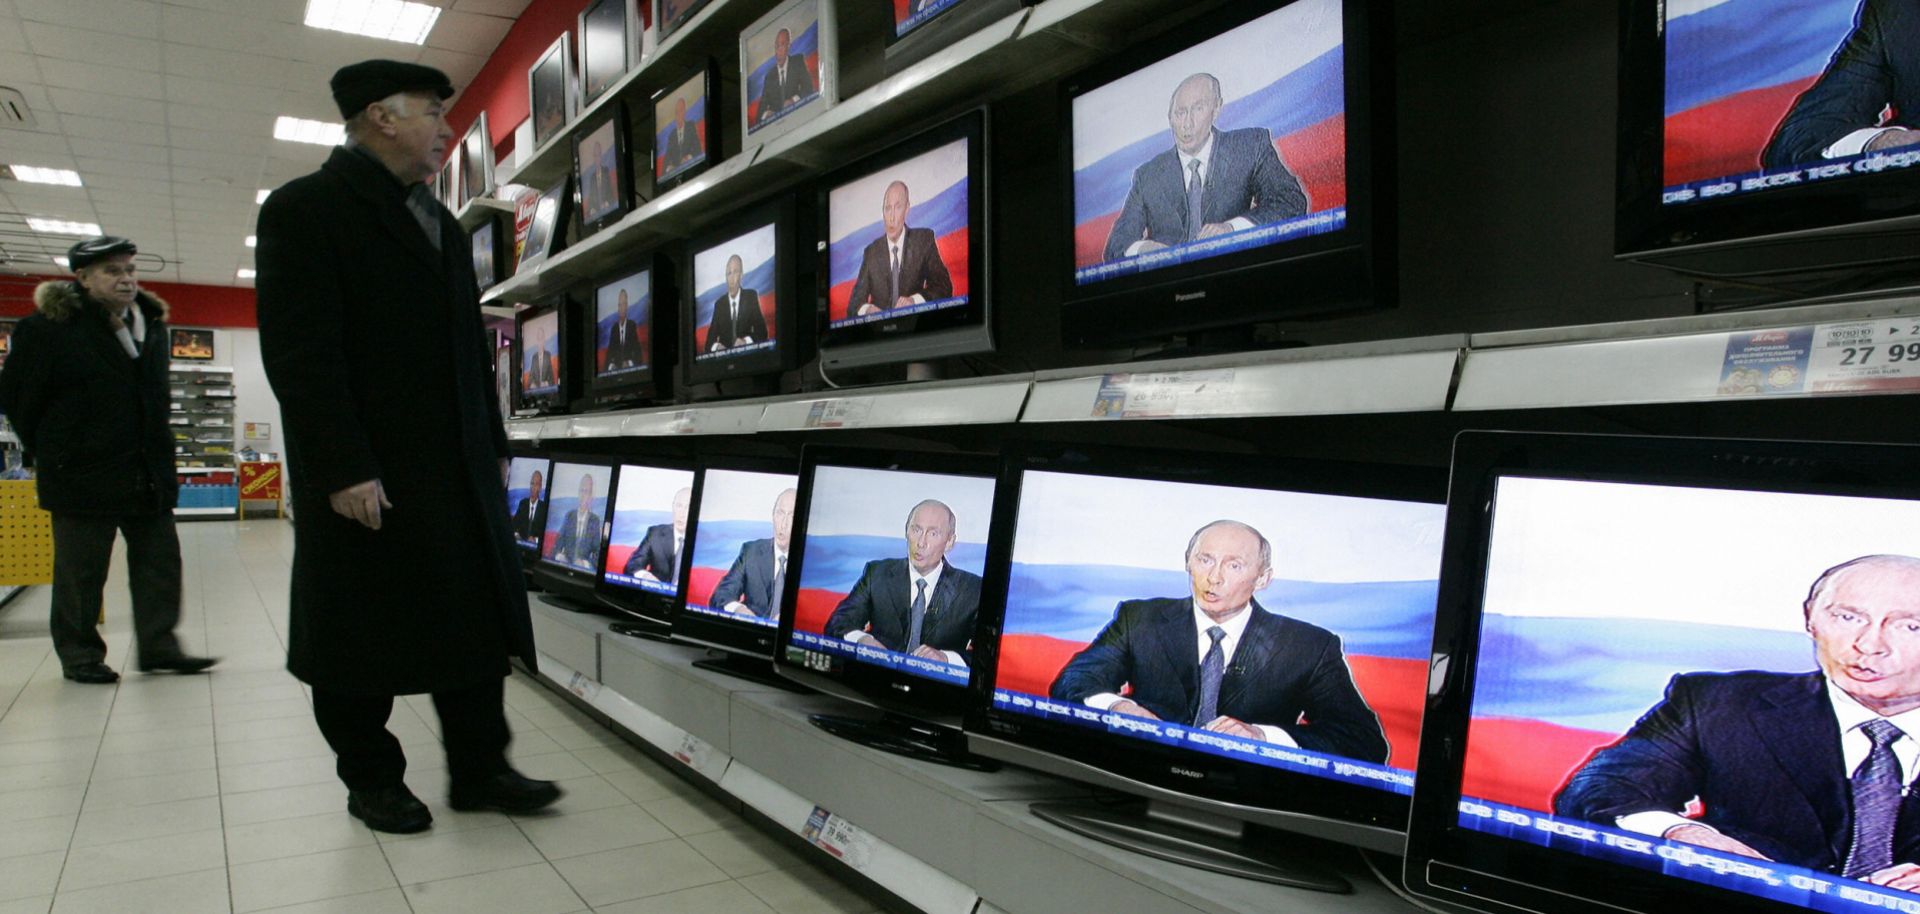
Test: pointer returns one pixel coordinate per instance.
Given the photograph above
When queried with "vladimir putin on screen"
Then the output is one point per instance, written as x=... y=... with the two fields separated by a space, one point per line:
x=752 y=586
x=787 y=83
x=918 y=605
x=902 y=267
x=737 y=320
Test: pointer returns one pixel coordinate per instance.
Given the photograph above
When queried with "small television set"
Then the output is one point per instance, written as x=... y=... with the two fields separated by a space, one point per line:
x=573 y=538
x=603 y=168
x=918 y=28
x=740 y=298
x=540 y=346
x=686 y=127
x=490 y=253
x=1669 y=675
x=905 y=265
x=742 y=549
x=650 y=528
x=1249 y=657
x=789 y=69
x=1237 y=171
x=884 y=590
x=1766 y=138
x=527 y=491
x=670 y=15
x=631 y=339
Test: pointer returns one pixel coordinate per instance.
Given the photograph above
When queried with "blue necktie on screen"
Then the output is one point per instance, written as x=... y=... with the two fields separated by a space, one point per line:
x=1195 y=188
x=1213 y=668
x=919 y=614
x=1876 y=802
x=779 y=585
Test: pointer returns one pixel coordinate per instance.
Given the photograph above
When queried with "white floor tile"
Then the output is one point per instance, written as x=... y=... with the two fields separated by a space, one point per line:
x=30 y=876
x=296 y=837
x=638 y=872
x=718 y=898
x=535 y=889
x=592 y=832
x=436 y=855
x=204 y=892
x=115 y=824
x=315 y=877
x=130 y=861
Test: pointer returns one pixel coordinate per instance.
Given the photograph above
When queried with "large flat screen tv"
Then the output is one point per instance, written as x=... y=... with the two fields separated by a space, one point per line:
x=540 y=349
x=742 y=548
x=649 y=530
x=574 y=534
x=1250 y=653
x=740 y=299
x=527 y=492
x=631 y=339
x=1237 y=171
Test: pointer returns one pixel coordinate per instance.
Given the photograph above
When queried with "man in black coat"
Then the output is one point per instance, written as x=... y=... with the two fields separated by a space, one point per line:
x=788 y=82
x=86 y=388
x=1876 y=70
x=405 y=576
x=917 y=605
x=737 y=320
x=753 y=584
x=576 y=540
x=658 y=556
x=526 y=518
x=624 y=351
x=683 y=145
x=902 y=267
x=1219 y=661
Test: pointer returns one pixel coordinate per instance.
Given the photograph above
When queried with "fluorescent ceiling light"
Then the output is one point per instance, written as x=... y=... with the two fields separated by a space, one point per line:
x=36 y=175
x=62 y=226
x=250 y=240
x=244 y=273
x=394 y=20
x=301 y=130
x=61 y=260
x=261 y=197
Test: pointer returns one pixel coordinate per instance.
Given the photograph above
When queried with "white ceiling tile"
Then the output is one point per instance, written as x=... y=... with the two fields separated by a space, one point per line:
x=116 y=16
x=15 y=143
x=459 y=67
x=508 y=8
x=307 y=76
x=41 y=160
x=48 y=40
x=101 y=128
x=244 y=100
x=199 y=117
x=207 y=29
x=98 y=104
x=337 y=49
x=312 y=105
x=282 y=10
x=13 y=39
x=93 y=77
x=106 y=175
x=468 y=33
x=17 y=69
x=252 y=146
x=224 y=66
x=84 y=149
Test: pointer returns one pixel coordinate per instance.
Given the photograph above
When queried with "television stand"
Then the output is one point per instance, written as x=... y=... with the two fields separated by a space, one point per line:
x=905 y=736
x=751 y=669
x=651 y=631
x=1189 y=837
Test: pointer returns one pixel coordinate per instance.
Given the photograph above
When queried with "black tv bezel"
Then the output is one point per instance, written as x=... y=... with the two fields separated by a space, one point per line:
x=645 y=604
x=669 y=26
x=1646 y=228
x=562 y=195
x=708 y=70
x=526 y=404
x=662 y=339
x=1486 y=872
x=1350 y=270
x=500 y=250
x=1258 y=793
x=588 y=97
x=912 y=333
x=573 y=583
x=531 y=553
x=925 y=699
x=616 y=114
x=569 y=101
x=749 y=639
x=779 y=211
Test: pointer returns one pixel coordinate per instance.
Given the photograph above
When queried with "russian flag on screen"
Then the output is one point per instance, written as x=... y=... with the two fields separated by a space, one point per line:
x=628 y=528
x=696 y=121
x=1734 y=68
x=806 y=44
x=945 y=212
x=833 y=565
x=716 y=545
x=759 y=277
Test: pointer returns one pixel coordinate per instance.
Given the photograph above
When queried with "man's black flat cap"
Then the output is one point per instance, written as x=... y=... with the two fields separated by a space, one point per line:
x=356 y=86
x=90 y=251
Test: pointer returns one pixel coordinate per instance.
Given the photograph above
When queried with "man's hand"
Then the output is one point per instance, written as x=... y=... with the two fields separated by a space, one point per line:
x=716 y=346
x=738 y=608
x=1149 y=245
x=1232 y=727
x=929 y=653
x=1905 y=876
x=1898 y=136
x=1213 y=229
x=870 y=641
x=868 y=308
x=361 y=503
x=1702 y=836
x=1132 y=709
x=645 y=575
x=903 y=302
x=744 y=341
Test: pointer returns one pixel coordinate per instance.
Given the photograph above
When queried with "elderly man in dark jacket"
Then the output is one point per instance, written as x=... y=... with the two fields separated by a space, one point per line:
x=86 y=386
x=405 y=577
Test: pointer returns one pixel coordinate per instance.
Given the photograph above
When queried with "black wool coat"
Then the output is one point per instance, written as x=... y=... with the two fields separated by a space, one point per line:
x=93 y=419
x=373 y=343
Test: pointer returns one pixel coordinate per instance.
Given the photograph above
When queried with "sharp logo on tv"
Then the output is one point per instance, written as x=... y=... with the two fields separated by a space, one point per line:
x=1187 y=772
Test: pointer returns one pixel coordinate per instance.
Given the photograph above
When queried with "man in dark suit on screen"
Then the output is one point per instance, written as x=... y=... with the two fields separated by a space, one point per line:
x=917 y=605
x=623 y=341
x=752 y=586
x=1803 y=768
x=577 y=542
x=788 y=82
x=539 y=365
x=1219 y=661
x=682 y=145
x=737 y=320
x=1210 y=183
x=1859 y=104
x=527 y=515
x=657 y=558
x=902 y=267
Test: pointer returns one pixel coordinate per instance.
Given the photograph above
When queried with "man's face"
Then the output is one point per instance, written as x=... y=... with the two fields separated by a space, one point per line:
x=783 y=520
x=1225 y=570
x=929 y=536
x=1192 y=113
x=113 y=281
x=533 y=486
x=681 y=501
x=735 y=270
x=623 y=305
x=1866 y=634
x=586 y=491
x=893 y=210
x=679 y=113
x=422 y=137
x=781 y=43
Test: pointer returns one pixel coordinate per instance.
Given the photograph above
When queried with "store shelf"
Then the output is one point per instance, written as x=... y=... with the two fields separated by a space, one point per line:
x=480 y=209
x=970 y=402
x=189 y=366
x=205 y=512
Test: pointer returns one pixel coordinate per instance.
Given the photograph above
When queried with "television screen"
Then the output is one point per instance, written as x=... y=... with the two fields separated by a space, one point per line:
x=735 y=297
x=601 y=166
x=1281 y=629
x=741 y=546
x=781 y=64
x=576 y=516
x=623 y=326
x=650 y=516
x=540 y=354
x=898 y=240
x=909 y=15
x=681 y=124
x=526 y=495
x=890 y=570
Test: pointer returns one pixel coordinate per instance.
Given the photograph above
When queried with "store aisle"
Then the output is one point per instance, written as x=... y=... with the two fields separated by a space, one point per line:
x=203 y=794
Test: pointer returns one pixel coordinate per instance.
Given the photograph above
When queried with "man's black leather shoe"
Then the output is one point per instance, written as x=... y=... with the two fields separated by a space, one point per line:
x=95 y=672
x=181 y=664
x=389 y=809
x=506 y=792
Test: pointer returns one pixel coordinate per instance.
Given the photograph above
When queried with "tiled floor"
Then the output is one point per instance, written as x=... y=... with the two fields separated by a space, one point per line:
x=208 y=794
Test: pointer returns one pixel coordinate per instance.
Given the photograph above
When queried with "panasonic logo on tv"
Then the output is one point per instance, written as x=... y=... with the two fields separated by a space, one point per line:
x=1188 y=296
x=1187 y=772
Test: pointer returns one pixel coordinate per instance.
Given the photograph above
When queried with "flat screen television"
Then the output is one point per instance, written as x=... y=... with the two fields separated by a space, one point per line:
x=1250 y=654
x=602 y=168
x=651 y=524
x=540 y=346
x=1282 y=111
x=686 y=127
x=884 y=589
x=1766 y=136
x=574 y=535
x=631 y=340
x=741 y=550
x=489 y=253
x=527 y=492
x=1672 y=675
x=918 y=28
x=905 y=266
x=741 y=296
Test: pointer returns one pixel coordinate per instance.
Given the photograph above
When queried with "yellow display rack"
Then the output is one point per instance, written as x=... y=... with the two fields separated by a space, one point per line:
x=26 y=535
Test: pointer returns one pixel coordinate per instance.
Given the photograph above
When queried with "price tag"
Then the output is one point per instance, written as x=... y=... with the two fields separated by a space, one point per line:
x=583 y=687
x=691 y=748
x=838 y=837
x=1163 y=394
x=1871 y=356
x=851 y=412
x=685 y=422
